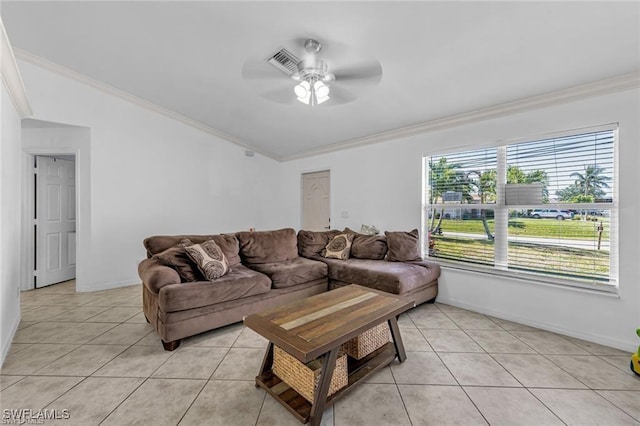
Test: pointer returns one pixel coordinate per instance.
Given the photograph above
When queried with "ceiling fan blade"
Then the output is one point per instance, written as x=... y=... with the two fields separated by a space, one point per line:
x=365 y=71
x=341 y=95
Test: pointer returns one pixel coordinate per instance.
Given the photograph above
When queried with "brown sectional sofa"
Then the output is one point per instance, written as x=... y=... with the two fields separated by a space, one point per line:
x=417 y=279
x=178 y=310
x=267 y=269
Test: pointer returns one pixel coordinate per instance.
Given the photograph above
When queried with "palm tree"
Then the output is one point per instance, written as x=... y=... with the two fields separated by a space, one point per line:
x=446 y=177
x=591 y=182
x=589 y=185
x=486 y=187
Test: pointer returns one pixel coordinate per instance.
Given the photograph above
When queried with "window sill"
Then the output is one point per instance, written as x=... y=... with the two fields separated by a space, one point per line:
x=609 y=290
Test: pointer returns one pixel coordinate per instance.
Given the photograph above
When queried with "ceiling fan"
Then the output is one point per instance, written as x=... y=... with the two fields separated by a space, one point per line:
x=311 y=80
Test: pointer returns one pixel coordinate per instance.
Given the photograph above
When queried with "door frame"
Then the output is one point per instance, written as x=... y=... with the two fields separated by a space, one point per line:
x=28 y=207
x=301 y=211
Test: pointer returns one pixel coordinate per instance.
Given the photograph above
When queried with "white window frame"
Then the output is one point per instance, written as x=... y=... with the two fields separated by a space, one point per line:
x=501 y=215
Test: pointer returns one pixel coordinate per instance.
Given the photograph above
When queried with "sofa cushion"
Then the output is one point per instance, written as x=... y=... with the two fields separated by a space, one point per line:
x=178 y=259
x=339 y=247
x=311 y=243
x=292 y=272
x=240 y=282
x=268 y=246
x=403 y=246
x=210 y=259
x=227 y=242
x=372 y=247
x=392 y=277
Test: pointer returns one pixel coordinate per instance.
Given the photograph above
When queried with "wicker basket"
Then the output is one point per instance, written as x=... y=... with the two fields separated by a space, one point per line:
x=305 y=378
x=367 y=342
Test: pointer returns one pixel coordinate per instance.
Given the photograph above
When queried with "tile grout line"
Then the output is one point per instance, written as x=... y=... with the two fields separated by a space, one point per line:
x=462 y=388
x=262 y=407
x=617 y=406
x=123 y=400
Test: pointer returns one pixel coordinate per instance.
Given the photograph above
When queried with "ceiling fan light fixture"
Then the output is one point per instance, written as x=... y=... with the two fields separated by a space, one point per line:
x=322 y=90
x=302 y=89
x=312 y=92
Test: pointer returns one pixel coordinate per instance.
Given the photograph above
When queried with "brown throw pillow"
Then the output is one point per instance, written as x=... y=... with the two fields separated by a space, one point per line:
x=210 y=259
x=338 y=247
x=179 y=260
x=369 y=247
x=403 y=246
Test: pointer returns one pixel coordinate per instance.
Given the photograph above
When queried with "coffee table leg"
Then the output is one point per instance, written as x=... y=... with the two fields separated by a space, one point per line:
x=397 y=340
x=320 y=399
x=267 y=361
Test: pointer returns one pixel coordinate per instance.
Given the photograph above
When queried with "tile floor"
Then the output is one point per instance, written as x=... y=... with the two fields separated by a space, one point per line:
x=94 y=355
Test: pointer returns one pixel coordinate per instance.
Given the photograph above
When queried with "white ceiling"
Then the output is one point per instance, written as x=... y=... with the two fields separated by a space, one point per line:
x=438 y=58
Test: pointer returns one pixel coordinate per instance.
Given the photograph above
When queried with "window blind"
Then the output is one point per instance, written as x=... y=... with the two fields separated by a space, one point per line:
x=561 y=217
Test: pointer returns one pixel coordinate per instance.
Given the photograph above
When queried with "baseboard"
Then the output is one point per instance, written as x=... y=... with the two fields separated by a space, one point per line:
x=602 y=340
x=7 y=341
x=106 y=286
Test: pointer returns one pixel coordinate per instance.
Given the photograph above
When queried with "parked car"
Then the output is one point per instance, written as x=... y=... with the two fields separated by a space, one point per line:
x=551 y=214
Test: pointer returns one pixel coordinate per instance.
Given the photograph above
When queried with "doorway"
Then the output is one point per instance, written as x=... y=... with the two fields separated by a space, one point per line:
x=54 y=221
x=62 y=142
x=315 y=201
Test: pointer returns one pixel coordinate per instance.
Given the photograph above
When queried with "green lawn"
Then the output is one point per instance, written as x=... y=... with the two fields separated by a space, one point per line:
x=524 y=227
x=533 y=257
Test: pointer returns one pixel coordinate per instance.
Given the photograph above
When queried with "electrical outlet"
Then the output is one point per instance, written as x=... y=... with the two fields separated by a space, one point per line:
x=344 y=214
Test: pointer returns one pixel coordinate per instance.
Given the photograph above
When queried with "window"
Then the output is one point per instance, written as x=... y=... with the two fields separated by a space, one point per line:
x=543 y=208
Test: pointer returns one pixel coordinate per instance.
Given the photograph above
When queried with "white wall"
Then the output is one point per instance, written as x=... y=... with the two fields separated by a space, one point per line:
x=152 y=175
x=381 y=185
x=9 y=221
x=148 y=175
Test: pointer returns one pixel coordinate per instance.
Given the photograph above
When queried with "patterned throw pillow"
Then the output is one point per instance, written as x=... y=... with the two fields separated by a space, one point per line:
x=210 y=259
x=338 y=247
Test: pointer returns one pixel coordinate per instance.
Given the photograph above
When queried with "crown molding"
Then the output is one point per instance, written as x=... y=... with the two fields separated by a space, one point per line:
x=110 y=90
x=558 y=97
x=11 y=76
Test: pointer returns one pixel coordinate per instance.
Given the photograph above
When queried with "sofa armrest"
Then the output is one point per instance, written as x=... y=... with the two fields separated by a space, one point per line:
x=155 y=276
x=435 y=267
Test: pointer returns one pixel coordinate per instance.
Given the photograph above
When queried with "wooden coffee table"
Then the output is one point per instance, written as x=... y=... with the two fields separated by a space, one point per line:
x=316 y=327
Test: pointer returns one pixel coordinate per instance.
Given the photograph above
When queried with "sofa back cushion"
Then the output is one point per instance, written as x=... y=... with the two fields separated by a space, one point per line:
x=227 y=242
x=311 y=243
x=372 y=247
x=268 y=246
x=403 y=246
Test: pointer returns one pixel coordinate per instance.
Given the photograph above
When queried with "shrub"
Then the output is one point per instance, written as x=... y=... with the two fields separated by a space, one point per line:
x=577 y=217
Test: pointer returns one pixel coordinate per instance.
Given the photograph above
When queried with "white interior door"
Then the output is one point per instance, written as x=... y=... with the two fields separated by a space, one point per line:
x=315 y=204
x=55 y=221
